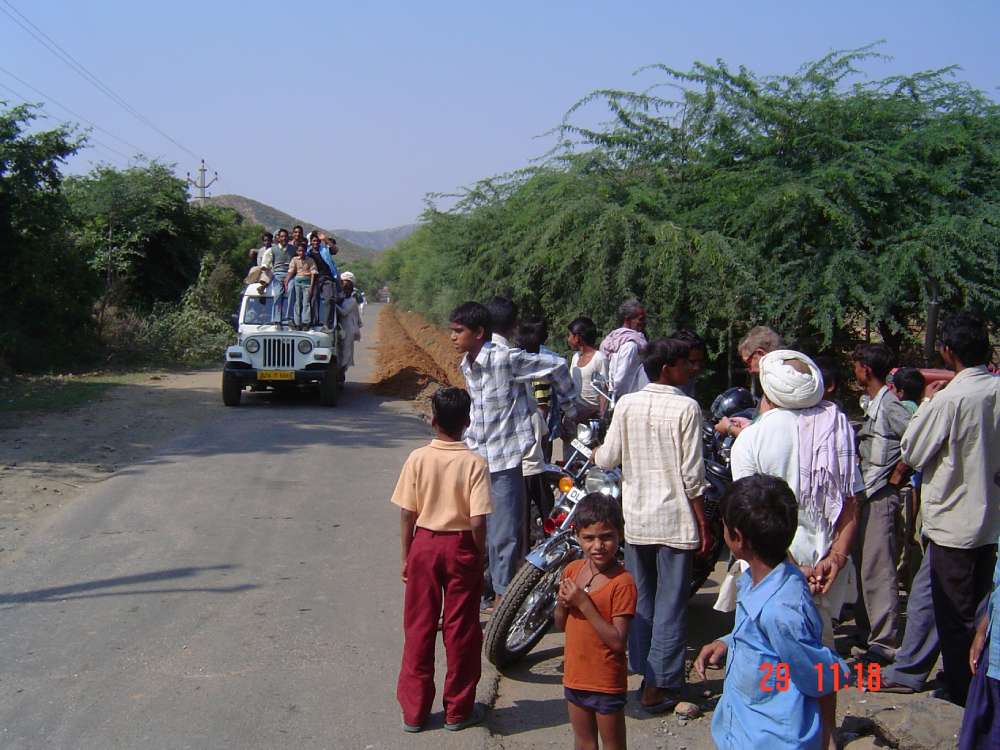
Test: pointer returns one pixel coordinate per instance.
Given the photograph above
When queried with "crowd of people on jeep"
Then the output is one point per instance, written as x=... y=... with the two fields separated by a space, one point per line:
x=307 y=290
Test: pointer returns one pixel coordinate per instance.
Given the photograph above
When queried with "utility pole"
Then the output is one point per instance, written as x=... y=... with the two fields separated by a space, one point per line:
x=200 y=183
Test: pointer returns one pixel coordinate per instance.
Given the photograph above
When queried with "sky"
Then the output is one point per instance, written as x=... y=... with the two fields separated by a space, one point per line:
x=348 y=114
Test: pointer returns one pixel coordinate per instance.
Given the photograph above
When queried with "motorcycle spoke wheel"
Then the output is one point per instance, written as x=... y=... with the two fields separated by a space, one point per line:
x=535 y=614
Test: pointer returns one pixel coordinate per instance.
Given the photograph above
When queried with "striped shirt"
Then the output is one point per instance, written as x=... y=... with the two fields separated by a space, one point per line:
x=500 y=429
x=655 y=435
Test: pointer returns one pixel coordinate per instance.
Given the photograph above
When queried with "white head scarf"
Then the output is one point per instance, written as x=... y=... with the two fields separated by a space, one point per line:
x=346 y=276
x=785 y=386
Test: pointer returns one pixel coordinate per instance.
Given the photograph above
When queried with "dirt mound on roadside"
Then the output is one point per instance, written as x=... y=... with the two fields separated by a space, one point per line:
x=413 y=357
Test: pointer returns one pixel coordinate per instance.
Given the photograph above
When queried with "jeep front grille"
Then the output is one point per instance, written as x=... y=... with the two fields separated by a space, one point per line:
x=279 y=352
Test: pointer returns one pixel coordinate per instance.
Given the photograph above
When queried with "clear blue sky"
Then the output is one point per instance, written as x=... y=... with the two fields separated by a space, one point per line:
x=348 y=113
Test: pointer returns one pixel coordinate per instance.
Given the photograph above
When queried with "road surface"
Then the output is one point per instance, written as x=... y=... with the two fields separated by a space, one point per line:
x=239 y=589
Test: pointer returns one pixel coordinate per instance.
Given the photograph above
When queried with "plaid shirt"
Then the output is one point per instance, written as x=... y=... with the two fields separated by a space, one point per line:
x=655 y=436
x=500 y=429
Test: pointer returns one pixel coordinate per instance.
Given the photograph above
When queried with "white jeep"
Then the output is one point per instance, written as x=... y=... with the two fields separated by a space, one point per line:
x=270 y=356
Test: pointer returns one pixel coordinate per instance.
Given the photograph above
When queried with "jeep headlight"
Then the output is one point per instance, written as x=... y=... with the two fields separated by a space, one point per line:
x=605 y=482
x=305 y=346
x=252 y=345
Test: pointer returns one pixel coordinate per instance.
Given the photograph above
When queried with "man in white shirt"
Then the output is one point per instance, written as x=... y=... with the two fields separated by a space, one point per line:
x=810 y=444
x=624 y=348
x=655 y=435
x=953 y=439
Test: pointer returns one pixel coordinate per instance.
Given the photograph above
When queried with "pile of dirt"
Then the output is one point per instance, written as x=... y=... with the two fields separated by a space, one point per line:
x=413 y=357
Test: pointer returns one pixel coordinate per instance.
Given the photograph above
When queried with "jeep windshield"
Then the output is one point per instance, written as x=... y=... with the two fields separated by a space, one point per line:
x=258 y=311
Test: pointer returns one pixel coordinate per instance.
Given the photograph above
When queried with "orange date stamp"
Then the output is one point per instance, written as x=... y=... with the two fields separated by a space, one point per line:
x=778 y=677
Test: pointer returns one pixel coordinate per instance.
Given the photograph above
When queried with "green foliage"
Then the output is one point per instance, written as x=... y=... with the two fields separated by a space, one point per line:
x=812 y=202
x=47 y=290
x=138 y=231
x=367 y=276
x=116 y=265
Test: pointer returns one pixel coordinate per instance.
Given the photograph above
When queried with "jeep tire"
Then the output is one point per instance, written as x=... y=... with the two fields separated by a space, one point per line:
x=232 y=390
x=329 y=387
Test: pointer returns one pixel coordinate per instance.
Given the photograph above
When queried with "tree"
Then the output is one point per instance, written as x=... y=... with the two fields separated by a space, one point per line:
x=48 y=290
x=815 y=202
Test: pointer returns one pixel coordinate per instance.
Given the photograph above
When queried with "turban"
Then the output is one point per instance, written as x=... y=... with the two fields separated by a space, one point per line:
x=785 y=386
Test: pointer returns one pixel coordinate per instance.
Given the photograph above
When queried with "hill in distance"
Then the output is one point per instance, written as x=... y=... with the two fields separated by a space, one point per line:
x=377 y=240
x=354 y=245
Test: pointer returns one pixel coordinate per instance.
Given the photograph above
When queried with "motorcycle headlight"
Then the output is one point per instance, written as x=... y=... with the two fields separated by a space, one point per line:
x=584 y=434
x=252 y=345
x=305 y=346
x=605 y=482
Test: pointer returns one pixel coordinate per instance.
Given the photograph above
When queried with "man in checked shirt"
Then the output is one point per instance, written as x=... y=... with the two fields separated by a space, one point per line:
x=500 y=427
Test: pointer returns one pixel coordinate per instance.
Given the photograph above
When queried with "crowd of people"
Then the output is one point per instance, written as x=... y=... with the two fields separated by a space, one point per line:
x=819 y=515
x=307 y=289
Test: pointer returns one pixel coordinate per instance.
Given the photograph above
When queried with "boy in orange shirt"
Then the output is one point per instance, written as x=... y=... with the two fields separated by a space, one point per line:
x=595 y=605
x=444 y=496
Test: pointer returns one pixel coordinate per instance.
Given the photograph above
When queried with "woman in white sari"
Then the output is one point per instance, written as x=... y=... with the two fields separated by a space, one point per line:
x=350 y=321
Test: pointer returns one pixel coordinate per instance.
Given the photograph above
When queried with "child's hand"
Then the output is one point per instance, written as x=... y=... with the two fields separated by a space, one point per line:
x=573 y=595
x=710 y=655
x=562 y=598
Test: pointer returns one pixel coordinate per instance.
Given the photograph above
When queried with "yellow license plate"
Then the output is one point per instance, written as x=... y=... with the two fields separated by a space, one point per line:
x=275 y=375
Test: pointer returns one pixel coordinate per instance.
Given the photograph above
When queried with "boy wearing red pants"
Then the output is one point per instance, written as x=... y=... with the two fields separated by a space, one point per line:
x=444 y=496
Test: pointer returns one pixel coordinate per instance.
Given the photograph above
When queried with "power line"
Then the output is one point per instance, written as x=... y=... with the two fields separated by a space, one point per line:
x=90 y=139
x=63 y=106
x=52 y=46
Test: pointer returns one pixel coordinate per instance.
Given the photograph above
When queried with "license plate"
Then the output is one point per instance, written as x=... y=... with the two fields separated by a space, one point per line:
x=275 y=375
x=581 y=448
x=575 y=494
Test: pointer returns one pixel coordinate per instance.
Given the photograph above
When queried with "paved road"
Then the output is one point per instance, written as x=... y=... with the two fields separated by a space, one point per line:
x=238 y=590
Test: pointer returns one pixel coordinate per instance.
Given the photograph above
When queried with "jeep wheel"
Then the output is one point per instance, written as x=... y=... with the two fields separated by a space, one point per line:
x=329 y=388
x=232 y=390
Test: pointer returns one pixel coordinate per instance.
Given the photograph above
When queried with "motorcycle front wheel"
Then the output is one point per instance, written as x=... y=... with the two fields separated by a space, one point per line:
x=524 y=615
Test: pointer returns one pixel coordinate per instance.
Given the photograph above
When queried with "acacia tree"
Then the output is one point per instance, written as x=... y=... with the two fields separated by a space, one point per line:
x=815 y=202
x=852 y=201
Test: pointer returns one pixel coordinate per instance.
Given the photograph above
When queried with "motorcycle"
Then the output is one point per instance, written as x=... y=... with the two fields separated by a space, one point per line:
x=526 y=611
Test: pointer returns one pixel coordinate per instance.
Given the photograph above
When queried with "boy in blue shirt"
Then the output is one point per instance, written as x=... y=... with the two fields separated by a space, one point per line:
x=776 y=667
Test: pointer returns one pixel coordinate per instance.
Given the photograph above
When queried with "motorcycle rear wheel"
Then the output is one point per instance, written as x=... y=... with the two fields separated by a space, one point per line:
x=523 y=617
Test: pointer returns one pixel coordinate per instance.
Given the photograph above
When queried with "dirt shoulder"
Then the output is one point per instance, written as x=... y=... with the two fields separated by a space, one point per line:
x=48 y=458
x=413 y=358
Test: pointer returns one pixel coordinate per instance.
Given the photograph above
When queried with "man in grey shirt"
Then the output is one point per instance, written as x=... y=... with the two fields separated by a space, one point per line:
x=876 y=546
x=953 y=438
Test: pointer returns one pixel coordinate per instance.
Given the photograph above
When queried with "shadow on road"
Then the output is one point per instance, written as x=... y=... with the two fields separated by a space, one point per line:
x=526 y=670
x=278 y=424
x=73 y=591
x=529 y=715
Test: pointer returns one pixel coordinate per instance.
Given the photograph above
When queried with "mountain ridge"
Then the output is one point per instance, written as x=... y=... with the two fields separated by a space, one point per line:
x=354 y=244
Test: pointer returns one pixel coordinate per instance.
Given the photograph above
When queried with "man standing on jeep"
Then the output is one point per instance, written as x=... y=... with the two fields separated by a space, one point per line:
x=276 y=258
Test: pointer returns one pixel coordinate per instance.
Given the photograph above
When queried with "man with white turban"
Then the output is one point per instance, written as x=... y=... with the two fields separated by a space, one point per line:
x=808 y=443
x=350 y=322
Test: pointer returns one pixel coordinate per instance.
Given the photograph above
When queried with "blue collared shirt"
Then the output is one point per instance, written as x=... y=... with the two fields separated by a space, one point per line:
x=776 y=623
x=327 y=256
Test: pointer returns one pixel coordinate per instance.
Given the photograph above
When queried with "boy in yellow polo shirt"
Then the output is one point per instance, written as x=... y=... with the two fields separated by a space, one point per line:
x=444 y=497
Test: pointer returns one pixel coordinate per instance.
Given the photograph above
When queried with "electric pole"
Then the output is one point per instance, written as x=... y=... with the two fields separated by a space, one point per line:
x=200 y=184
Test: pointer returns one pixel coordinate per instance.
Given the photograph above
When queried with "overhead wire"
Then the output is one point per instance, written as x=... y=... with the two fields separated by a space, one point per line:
x=90 y=138
x=95 y=126
x=52 y=46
